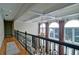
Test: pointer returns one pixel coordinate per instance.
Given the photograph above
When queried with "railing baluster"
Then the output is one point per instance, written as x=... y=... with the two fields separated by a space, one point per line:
x=46 y=51
x=78 y=52
x=40 y=46
x=73 y=52
x=43 y=48
x=33 y=46
x=54 y=51
x=54 y=46
x=66 y=51
x=26 y=40
x=50 y=48
x=36 y=43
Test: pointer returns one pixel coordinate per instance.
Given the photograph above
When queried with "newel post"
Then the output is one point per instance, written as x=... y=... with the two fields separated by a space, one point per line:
x=25 y=40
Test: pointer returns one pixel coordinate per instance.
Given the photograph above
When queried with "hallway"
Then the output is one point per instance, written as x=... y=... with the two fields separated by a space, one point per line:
x=11 y=46
x=40 y=29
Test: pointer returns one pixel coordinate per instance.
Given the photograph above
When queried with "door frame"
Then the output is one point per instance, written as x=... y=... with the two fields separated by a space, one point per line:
x=12 y=27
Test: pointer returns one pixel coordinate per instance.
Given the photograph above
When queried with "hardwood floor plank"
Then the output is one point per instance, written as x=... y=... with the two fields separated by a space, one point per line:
x=18 y=45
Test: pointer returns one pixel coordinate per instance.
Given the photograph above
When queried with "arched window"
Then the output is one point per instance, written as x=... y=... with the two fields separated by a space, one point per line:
x=54 y=30
x=71 y=34
x=42 y=29
x=72 y=31
x=54 y=34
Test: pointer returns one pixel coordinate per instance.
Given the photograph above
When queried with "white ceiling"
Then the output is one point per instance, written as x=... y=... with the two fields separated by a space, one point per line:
x=42 y=8
x=66 y=11
x=13 y=11
x=9 y=10
x=48 y=7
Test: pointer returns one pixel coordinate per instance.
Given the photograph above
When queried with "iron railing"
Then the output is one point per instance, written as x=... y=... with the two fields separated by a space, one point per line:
x=37 y=45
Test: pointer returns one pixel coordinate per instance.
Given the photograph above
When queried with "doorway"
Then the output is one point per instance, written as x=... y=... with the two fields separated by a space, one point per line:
x=8 y=28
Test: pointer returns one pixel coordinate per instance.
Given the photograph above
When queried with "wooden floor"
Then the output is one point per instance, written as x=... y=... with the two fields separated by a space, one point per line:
x=18 y=45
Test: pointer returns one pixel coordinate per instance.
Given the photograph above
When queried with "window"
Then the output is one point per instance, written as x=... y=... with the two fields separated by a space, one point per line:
x=72 y=34
x=72 y=31
x=54 y=30
x=54 y=34
x=42 y=29
x=42 y=33
x=68 y=34
x=57 y=33
x=51 y=32
x=76 y=34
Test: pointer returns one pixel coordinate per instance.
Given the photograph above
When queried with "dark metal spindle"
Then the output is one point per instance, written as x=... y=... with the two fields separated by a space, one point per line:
x=26 y=40
x=66 y=51
x=46 y=47
x=50 y=48
x=54 y=48
x=32 y=45
x=43 y=47
x=73 y=52
x=40 y=46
